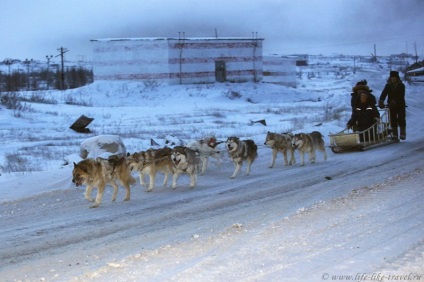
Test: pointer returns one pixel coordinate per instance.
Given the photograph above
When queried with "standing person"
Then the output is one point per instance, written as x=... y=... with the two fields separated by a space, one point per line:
x=395 y=93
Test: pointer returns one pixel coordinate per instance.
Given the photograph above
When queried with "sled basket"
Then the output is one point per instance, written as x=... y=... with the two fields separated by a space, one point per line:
x=379 y=134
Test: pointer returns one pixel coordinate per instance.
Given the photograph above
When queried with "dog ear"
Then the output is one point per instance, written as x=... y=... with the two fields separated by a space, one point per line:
x=75 y=165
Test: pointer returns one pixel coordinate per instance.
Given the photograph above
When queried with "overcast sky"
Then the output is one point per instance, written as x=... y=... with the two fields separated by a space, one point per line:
x=35 y=28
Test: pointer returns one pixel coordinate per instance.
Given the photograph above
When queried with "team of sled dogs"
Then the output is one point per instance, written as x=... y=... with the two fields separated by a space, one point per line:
x=190 y=159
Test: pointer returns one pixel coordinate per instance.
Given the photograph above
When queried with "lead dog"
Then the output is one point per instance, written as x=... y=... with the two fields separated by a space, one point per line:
x=185 y=161
x=309 y=143
x=205 y=148
x=151 y=162
x=97 y=173
x=280 y=143
x=239 y=151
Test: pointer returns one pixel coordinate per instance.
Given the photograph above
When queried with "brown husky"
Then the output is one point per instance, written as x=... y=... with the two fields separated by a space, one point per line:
x=309 y=143
x=150 y=162
x=280 y=143
x=96 y=173
x=186 y=161
x=239 y=151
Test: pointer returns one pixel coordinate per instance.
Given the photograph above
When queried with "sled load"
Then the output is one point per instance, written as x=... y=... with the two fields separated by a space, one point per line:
x=379 y=134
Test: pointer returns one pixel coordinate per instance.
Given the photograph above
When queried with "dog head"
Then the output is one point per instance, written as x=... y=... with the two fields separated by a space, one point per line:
x=178 y=155
x=270 y=139
x=135 y=160
x=232 y=144
x=80 y=173
x=297 y=140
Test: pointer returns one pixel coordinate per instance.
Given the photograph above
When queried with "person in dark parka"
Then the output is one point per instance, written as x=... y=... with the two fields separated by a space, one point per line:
x=365 y=114
x=361 y=85
x=394 y=91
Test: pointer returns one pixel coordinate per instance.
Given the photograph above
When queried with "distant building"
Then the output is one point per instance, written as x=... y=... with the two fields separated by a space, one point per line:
x=178 y=60
x=415 y=72
x=301 y=59
x=279 y=70
x=184 y=60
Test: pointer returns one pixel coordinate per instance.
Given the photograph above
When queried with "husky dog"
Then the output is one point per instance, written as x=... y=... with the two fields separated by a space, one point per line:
x=239 y=151
x=309 y=143
x=280 y=143
x=149 y=163
x=206 y=148
x=99 y=172
x=185 y=161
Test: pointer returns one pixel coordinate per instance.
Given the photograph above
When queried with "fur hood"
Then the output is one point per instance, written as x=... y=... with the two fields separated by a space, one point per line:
x=360 y=87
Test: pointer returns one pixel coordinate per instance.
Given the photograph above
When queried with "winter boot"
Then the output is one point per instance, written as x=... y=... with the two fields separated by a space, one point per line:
x=394 y=133
x=403 y=133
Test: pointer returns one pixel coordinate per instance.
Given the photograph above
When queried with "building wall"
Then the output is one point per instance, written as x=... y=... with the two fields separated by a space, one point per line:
x=126 y=59
x=177 y=61
x=193 y=61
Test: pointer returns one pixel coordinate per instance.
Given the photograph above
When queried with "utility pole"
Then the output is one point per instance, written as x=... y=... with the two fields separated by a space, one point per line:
x=416 y=53
x=48 y=70
x=354 y=64
x=28 y=63
x=8 y=63
x=62 y=75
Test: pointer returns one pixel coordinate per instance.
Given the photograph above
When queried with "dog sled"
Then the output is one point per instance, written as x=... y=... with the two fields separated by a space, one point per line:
x=377 y=135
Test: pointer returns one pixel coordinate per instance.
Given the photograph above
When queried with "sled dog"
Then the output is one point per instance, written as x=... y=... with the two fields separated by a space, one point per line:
x=97 y=173
x=309 y=143
x=185 y=161
x=239 y=151
x=149 y=163
x=280 y=143
x=205 y=148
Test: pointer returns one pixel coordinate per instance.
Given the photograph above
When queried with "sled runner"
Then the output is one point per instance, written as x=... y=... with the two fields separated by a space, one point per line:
x=377 y=135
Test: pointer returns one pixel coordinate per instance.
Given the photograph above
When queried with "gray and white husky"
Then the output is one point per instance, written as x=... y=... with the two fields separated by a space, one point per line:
x=240 y=151
x=309 y=143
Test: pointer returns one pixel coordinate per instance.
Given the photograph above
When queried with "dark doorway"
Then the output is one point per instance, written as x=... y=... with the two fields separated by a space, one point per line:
x=220 y=73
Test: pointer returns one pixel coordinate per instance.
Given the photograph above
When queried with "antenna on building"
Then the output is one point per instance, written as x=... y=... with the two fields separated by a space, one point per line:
x=216 y=33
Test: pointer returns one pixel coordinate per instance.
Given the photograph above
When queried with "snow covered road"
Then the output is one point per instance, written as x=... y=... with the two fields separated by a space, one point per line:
x=286 y=222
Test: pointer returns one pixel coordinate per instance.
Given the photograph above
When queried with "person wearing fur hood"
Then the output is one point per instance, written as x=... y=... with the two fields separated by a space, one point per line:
x=394 y=91
x=355 y=95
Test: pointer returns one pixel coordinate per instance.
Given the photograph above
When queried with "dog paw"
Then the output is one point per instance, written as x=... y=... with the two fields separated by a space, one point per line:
x=127 y=199
x=94 y=206
x=90 y=199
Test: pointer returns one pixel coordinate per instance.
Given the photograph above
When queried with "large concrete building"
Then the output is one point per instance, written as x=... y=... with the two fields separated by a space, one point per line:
x=181 y=60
